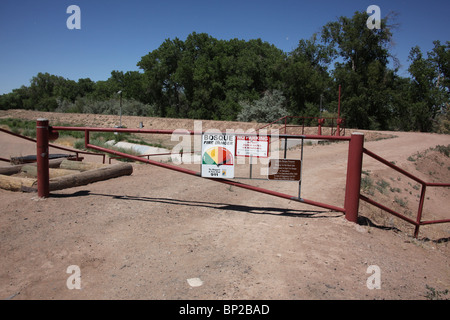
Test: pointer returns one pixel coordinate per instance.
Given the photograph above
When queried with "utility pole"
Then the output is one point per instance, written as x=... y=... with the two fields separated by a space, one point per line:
x=320 y=108
x=120 y=110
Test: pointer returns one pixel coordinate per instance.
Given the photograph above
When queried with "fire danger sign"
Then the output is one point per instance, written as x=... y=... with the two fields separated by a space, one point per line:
x=218 y=155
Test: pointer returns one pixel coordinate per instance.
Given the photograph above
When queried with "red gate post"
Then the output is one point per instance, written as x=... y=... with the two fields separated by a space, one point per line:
x=320 y=122
x=338 y=130
x=86 y=138
x=353 y=184
x=42 y=135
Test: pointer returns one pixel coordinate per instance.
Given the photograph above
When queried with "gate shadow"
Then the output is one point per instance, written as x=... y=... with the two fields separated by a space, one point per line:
x=242 y=208
x=220 y=206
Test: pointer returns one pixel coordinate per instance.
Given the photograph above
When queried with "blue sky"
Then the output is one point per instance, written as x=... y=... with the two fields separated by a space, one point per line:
x=114 y=35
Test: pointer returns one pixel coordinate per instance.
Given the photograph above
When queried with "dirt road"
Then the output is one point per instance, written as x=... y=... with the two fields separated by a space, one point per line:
x=143 y=236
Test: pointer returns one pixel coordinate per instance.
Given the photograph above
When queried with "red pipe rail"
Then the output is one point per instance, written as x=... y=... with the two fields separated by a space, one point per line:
x=321 y=121
x=152 y=155
x=77 y=152
x=417 y=223
x=190 y=132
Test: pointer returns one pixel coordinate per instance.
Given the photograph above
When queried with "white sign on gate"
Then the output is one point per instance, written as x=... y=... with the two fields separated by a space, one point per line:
x=255 y=146
x=218 y=155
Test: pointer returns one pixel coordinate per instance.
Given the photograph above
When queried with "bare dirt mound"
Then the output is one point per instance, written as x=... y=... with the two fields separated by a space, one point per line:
x=143 y=236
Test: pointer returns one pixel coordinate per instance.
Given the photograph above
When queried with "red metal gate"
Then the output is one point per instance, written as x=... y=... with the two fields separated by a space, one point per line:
x=353 y=181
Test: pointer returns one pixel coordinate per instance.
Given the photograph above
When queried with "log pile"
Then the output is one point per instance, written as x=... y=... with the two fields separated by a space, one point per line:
x=63 y=174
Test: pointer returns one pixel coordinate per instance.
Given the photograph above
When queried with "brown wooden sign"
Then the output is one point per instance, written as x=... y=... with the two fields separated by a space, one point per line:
x=284 y=169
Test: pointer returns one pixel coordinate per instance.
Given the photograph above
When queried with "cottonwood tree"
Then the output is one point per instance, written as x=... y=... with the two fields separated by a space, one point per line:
x=430 y=85
x=361 y=67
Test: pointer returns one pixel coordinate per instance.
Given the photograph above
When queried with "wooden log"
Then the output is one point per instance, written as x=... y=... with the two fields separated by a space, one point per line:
x=80 y=166
x=32 y=158
x=54 y=163
x=105 y=172
x=17 y=183
x=10 y=170
x=31 y=171
x=90 y=176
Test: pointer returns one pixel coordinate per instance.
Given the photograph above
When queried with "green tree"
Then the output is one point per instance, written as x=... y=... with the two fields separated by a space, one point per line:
x=43 y=92
x=85 y=86
x=205 y=78
x=65 y=89
x=160 y=80
x=363 y=72
x=430 y=85
x=305 y=76
x=440 y=61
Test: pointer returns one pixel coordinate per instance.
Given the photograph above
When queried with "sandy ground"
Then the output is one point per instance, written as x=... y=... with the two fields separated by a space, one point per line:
x=143 y=236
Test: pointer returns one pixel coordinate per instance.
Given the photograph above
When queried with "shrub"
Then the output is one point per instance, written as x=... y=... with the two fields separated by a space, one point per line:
x=443 y=149
x=130 y=107
x=267 y=109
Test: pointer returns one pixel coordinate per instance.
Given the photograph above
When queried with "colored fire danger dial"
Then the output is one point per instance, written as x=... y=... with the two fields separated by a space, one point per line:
x=218 y=156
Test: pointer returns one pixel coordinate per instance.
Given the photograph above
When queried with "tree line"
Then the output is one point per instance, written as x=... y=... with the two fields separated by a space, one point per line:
x=251 y=80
